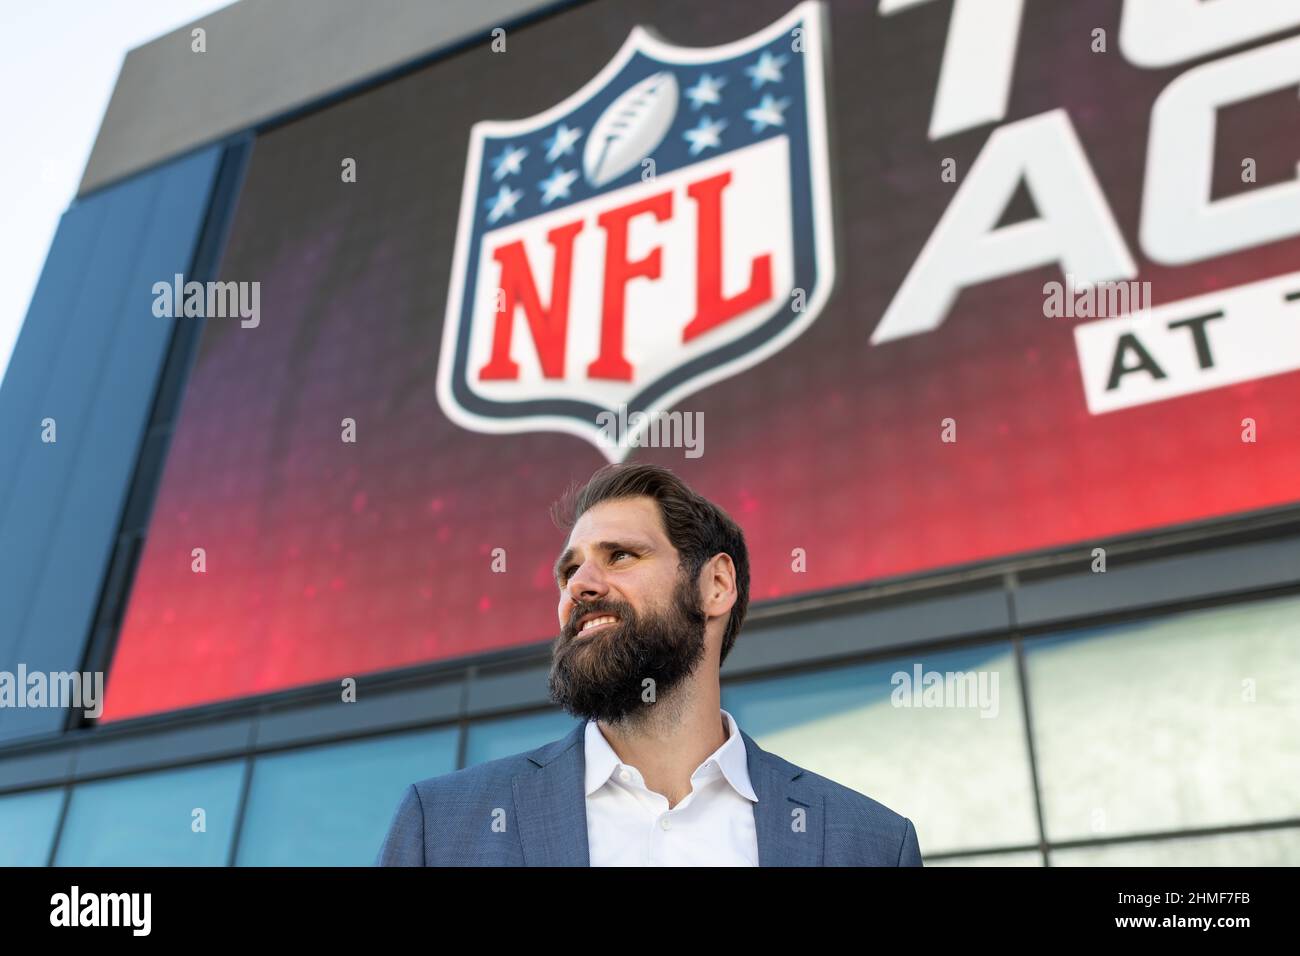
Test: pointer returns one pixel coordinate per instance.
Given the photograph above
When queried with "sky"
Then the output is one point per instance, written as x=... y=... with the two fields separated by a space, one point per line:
x=59 y=61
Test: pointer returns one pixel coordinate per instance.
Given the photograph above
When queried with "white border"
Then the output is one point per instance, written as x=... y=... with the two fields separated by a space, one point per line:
x=813 y=12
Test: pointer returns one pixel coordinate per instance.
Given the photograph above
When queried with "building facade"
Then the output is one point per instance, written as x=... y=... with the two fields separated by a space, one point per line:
x=1033 y=583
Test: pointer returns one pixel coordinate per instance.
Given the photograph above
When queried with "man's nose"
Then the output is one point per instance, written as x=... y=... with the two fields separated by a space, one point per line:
x=587 y=583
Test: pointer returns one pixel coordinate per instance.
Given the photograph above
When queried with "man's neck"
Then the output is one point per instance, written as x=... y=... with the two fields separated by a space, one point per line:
x=666 y=750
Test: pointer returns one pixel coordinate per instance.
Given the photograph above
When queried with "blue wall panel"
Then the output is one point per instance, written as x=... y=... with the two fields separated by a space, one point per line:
x=89 y=356
x=42 y=335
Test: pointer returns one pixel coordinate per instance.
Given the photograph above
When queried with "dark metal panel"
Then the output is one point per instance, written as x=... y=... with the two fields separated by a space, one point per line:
x=165 y=748
x=828 y=635
x=370 y=713
x=265 y=59
x=1125 y=586
x=492 y=691
x=35 y=770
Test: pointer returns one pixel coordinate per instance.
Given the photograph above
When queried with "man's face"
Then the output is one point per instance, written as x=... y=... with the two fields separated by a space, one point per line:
x=619 y=564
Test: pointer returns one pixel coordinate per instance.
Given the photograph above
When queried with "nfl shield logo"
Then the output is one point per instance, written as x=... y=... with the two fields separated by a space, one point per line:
x=665 y=227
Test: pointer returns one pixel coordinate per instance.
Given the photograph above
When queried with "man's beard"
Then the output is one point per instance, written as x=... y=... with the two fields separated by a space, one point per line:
x=602 y=676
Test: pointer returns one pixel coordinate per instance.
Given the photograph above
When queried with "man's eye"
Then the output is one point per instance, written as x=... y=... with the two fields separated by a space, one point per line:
x=613 y=556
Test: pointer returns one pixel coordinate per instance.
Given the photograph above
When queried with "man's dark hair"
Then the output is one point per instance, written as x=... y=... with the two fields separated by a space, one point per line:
x=697 y=528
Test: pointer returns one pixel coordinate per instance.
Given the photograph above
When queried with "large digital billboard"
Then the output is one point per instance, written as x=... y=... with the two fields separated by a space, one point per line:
x=907 y=285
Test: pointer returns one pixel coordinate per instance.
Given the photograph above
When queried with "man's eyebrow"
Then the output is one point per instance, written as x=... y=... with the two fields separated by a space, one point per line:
x=607 y=546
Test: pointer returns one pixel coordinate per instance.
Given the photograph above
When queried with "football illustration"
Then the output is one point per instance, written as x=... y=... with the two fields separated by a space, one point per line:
x=631 y=128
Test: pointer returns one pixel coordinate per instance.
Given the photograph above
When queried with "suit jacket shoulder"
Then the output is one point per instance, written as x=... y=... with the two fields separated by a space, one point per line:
x=467 y=817
x=859 y=831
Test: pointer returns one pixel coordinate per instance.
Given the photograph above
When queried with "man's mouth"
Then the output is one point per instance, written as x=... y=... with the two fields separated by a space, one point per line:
x=595 y=622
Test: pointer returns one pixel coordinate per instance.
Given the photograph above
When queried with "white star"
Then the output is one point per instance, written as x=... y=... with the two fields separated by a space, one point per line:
x=561 y=144
x=557 y=185
x=767 y=113
x=508 y=163
x=705 y=135
x=503 y=203
x=707 y=90
x=767 y=69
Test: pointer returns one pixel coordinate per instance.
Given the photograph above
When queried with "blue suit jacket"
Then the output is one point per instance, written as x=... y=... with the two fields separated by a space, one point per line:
x=530 y=809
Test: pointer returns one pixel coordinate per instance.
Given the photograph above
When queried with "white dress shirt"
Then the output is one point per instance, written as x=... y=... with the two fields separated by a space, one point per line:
x=630 y=825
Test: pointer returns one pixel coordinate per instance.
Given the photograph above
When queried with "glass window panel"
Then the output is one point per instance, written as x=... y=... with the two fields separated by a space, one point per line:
x=148 y=819
x=1030 y=858
x=1257 y=848
x=958 y=770
x=492 y=739
x=331 y=805
x=27 y=821
x=1184 y=721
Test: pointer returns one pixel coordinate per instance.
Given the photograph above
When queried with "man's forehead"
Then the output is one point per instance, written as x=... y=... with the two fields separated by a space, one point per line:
x=623 y=517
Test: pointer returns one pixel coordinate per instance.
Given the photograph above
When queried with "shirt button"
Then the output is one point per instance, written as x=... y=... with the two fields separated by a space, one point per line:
x=665 y=823
x=624 y=775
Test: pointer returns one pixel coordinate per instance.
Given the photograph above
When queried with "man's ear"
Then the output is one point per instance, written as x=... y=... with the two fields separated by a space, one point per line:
x=718 y=585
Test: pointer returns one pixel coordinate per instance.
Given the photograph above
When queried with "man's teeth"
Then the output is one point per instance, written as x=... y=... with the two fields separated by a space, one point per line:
x=599 y=620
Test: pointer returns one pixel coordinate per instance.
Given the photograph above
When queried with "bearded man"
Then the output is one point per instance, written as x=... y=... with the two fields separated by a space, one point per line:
x=653 y=584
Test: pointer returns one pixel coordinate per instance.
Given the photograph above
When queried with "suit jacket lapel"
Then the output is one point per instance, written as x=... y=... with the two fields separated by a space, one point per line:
x=551 y=806
x=789 y=816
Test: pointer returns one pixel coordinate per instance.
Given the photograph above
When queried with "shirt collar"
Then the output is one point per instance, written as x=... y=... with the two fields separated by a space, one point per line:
x=730 y=758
